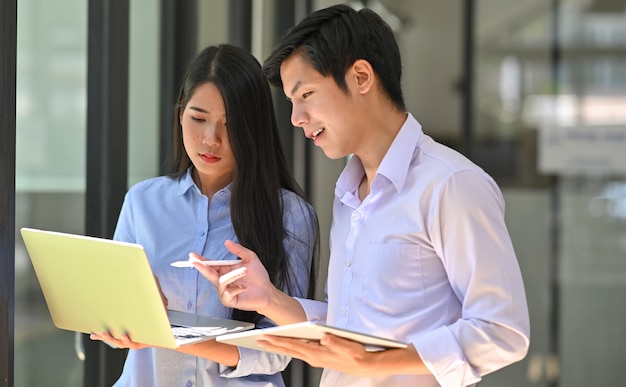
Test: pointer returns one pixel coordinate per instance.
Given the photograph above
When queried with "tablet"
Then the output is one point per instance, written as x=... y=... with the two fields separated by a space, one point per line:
x=309 y=331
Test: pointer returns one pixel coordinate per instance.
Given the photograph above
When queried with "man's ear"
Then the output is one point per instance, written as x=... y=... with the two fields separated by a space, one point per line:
x=362 y=74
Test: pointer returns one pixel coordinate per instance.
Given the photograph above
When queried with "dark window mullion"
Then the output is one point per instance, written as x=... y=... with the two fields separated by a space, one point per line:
x=8 y=55
x=178 y=47
x=107 y=144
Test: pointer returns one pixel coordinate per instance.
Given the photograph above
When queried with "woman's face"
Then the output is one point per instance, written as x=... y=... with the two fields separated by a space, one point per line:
x=206 y=139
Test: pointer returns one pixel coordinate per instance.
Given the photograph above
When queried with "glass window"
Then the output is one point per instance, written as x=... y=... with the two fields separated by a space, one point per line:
x=50 y=173
x=51 y=158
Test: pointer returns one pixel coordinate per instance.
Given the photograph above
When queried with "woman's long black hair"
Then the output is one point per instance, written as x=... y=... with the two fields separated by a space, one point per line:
x=261 y=171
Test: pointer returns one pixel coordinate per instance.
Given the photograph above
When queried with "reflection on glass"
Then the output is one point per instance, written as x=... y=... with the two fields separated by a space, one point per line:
x=50 y=173
x=567 y=122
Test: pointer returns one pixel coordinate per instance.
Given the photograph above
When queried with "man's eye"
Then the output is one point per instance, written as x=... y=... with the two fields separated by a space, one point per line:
x=305 y=95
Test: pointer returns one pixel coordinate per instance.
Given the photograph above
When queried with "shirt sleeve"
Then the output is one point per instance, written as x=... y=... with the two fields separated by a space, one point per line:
x=256 y=362
x=124 y=230
x=314 y=310
x=470 y=236
x=300 y=224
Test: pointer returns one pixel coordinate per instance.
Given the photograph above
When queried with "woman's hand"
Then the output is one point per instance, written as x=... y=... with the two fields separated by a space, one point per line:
x=244 y=286
x=247 y=286
x=123 y=342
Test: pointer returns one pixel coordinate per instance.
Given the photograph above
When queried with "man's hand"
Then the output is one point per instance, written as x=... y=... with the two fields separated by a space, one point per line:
x=348 y=356
x=330 y=352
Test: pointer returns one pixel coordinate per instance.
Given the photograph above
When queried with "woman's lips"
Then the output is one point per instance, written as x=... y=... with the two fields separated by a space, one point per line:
x=208 y=158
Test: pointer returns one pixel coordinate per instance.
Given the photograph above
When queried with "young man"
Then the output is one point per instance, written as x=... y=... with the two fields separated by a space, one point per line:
x=419 y=249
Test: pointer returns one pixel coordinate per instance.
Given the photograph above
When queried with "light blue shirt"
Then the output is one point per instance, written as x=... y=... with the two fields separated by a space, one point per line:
x=171 y=218
x=426 y=259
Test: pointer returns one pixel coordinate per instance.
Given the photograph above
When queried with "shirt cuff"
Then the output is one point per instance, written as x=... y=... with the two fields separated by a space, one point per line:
x=252 y=362
x=315 y=310
x=444 y=358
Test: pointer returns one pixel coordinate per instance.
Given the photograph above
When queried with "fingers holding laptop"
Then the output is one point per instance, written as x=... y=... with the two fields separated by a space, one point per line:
x=123 y=342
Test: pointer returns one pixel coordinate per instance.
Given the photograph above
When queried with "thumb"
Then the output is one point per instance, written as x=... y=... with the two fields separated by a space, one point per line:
x=245 y=254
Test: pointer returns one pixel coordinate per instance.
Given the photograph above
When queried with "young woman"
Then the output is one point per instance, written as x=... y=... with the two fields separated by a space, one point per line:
x=229 y=180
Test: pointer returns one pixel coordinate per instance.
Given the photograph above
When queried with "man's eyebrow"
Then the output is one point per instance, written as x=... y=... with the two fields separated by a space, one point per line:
x=295 y=87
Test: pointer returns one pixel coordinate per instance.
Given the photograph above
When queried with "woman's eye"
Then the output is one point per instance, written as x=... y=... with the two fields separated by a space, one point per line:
x=197 y=119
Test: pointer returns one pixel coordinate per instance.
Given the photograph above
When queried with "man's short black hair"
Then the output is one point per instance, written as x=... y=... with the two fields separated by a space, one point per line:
x=333 y=38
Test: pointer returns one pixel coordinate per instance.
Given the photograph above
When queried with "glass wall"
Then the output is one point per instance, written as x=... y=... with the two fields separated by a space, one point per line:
x=51 y=158
x=590 y=126
x=550 y=125
x=50 y=172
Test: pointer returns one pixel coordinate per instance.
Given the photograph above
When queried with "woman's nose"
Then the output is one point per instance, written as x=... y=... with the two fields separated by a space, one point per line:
x=210 y=137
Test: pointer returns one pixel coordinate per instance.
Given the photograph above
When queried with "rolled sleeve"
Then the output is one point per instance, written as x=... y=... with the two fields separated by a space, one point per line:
x=443 y=356
x=255 y=362
x=314 y=310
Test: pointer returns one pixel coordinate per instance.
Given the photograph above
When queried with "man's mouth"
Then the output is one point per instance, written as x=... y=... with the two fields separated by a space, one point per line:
x=317 y=133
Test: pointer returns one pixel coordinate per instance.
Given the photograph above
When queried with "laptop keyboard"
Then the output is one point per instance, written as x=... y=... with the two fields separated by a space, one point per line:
x=181 y=332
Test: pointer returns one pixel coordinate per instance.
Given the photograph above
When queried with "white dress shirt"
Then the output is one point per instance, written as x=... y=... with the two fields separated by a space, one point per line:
x=425 y=258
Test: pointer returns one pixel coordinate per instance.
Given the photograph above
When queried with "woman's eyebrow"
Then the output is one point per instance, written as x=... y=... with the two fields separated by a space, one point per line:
x=197 y=109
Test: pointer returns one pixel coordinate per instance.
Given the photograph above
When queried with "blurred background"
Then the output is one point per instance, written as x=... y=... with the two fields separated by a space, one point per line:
x=533 y=91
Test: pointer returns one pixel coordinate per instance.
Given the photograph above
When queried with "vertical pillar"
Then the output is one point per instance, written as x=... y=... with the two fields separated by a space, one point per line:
x=8 y=54
x=107 y=148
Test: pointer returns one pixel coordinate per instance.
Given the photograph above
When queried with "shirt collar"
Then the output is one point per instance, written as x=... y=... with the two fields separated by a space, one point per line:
x=185 y=182
x=397 y=161
x=394 y=166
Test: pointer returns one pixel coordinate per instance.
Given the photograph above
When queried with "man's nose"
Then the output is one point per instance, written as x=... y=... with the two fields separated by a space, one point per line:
x=299 y=117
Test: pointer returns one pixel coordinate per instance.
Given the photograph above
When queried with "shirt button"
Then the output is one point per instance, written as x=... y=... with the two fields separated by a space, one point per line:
x=202 y=233
x=344 y=311
x=189 y=384
x=189 y=305
x=356 y=216
x=348 y=263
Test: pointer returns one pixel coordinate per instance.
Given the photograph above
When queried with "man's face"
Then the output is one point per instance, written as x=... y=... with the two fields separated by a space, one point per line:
x=325 y=112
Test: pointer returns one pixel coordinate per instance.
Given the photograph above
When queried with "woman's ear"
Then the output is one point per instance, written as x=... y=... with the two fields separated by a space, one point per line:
x=363 y=75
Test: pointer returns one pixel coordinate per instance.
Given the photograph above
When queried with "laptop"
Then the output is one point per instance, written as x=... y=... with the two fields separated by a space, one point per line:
x=94 y=285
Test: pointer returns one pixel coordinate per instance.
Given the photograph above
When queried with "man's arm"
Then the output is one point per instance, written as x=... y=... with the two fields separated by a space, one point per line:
x=349 y=357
